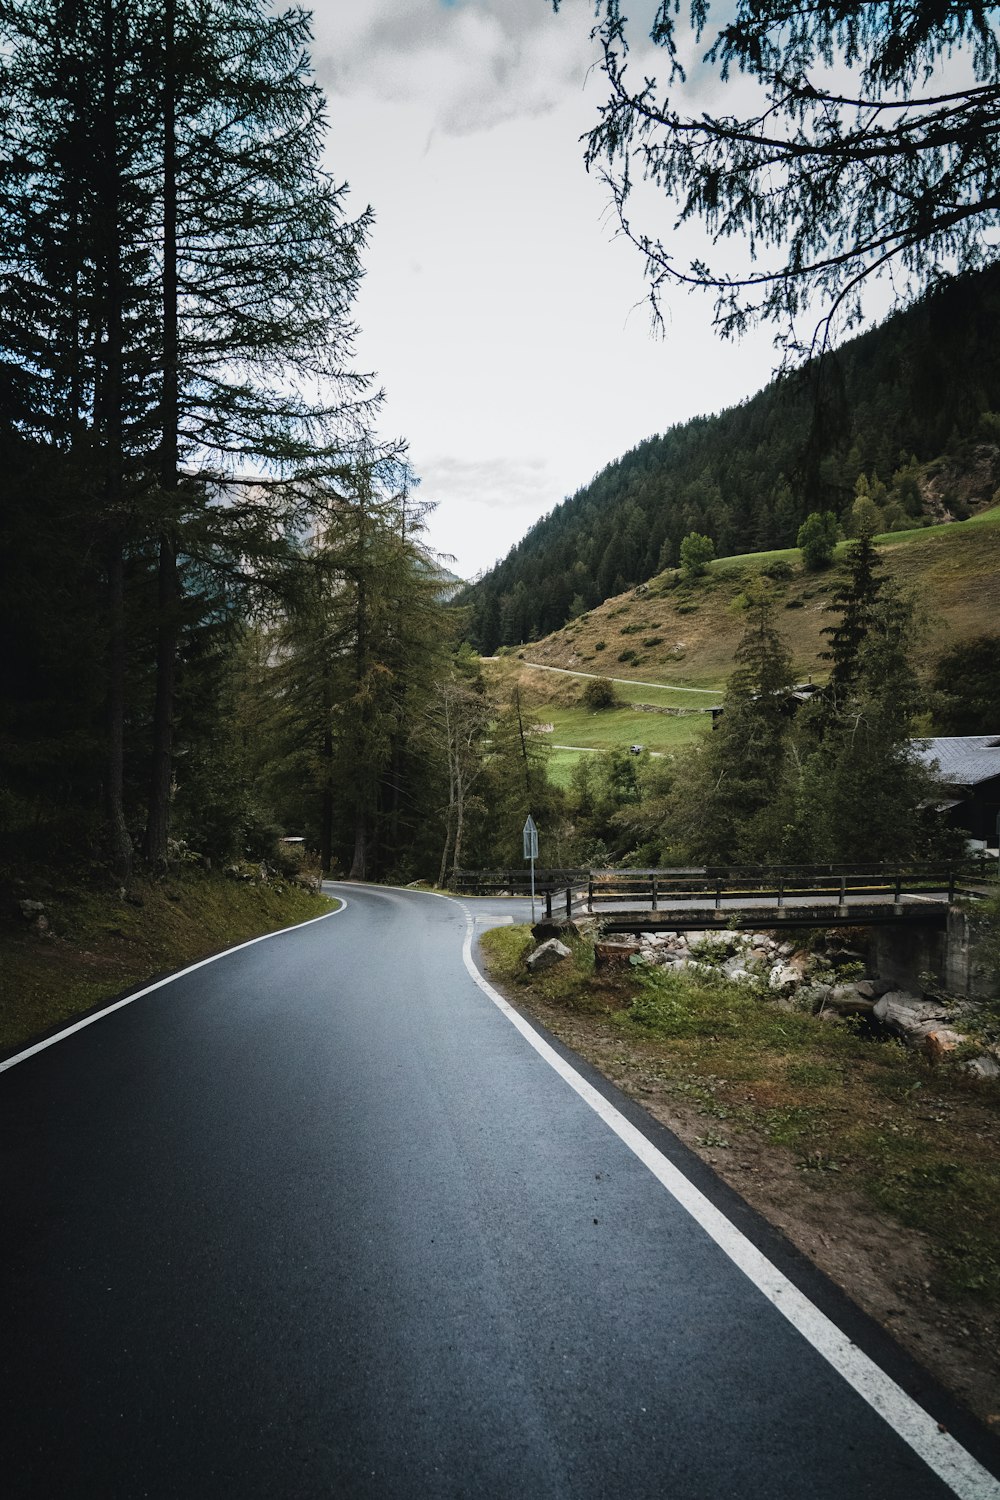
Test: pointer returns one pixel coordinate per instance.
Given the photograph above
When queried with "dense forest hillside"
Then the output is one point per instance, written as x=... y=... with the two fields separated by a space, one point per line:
x=686 y=632
x=909 y=405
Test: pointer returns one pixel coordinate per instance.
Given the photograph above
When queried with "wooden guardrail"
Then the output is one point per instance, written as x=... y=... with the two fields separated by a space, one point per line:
x=654 y=889
x=778 y=885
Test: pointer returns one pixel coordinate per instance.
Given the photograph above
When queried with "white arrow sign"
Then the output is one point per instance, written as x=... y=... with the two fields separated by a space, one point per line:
x=530 y=839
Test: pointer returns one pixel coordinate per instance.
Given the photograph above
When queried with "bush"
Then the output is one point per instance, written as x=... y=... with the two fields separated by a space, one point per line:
x=817 y=538
x=600 y=694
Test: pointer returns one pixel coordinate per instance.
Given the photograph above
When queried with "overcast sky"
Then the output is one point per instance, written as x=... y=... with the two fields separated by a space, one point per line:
x=503 y=317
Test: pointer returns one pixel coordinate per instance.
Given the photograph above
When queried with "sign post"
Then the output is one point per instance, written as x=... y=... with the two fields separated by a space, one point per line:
x=531 y=852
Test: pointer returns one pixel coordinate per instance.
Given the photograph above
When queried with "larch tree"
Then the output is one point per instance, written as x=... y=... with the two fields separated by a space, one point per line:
x=835 y=143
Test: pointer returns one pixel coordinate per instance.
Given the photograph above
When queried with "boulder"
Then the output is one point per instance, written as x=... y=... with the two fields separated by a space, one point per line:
x=736 y=968
x=547 y=955
x=31 y=910
x=783 y=977
x=762 y=941
x=982 y=1067
x=839 y=958
x=816 y=995
x=847 y=1000
x=554 y=927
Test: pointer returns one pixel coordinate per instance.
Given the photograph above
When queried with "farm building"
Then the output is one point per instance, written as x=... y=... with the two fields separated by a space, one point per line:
x=968 y=767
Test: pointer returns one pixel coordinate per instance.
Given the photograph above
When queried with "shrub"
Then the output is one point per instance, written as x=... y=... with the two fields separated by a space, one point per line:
x=817 y=538
x=600 y=694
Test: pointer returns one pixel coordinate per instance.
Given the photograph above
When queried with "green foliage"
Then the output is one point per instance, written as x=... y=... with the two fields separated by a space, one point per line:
x=817 y=537
x=599 y=694
x=966 y=681
x=175 y=269
x=830 y=183
x=730 y=799
x=865 y=518
x=862 y=791
x=697 y=551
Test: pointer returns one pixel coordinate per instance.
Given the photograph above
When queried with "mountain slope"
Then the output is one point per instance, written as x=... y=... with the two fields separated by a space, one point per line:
x=685 y=634
x=911 y=404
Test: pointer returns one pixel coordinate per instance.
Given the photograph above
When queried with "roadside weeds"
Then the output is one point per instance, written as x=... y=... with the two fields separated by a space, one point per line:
x=883 y=1168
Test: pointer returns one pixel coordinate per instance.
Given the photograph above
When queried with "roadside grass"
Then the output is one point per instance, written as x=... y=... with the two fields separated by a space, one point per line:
x=99 y=944
x=920 y=1143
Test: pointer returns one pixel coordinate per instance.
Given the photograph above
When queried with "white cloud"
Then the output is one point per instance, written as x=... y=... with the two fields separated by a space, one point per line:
x=468 y=67
x=502 y=315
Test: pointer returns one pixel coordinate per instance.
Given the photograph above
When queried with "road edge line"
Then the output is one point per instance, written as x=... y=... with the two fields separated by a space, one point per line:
x=107 y=1010
x=943 y=1454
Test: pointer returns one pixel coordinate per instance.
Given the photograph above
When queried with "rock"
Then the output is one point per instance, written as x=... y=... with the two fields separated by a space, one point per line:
x=982 y=1067
x=735 y=968
x=838 y=958
x=762 y=941
x=847 y=1000
x=816 y=995
x=868 y=989
x=31 y=910
x=554 y=927
x=547 y=955
x=614 y=955
x=783 y=978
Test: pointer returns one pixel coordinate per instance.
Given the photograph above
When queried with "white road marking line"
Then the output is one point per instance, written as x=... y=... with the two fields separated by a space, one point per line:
x=99 y=1015
x=964 y=1475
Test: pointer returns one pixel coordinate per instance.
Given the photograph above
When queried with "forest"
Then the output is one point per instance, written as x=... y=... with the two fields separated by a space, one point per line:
x=923 y=386
x=219 y=620
x=225 y=639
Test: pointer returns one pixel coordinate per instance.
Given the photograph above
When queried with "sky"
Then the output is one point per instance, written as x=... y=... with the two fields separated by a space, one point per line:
x=503 y=315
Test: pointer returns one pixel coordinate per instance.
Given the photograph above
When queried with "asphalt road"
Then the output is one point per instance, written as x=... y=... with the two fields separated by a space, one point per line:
x=318 y=1220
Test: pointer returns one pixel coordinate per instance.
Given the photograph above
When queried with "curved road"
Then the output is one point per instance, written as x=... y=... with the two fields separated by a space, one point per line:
x=323 y=1218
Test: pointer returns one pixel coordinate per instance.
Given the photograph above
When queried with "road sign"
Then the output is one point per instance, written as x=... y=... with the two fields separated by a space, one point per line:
x=531 y=852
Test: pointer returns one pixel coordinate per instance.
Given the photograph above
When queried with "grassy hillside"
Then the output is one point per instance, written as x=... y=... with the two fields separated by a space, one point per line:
x=683 y=635
x=97 y=943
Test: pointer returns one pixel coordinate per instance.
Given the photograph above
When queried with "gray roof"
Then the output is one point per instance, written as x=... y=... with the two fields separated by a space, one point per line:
x=964 y=759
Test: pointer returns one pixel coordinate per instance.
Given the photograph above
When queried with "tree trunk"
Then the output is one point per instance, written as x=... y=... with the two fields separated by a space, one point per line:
x=359 y=864
x=168 y=586
x=110 y=424
x=326 y=796
x=456 y=863
x=120 y=844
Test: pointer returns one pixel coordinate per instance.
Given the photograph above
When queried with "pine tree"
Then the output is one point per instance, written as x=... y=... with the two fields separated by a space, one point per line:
x=175 y=269
x=737 y=808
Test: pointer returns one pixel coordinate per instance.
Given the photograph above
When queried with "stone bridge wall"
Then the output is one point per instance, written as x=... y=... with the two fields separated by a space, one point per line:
x=920 y=958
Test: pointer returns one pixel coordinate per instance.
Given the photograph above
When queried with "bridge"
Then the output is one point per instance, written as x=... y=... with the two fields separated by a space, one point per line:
x=740 y=896
x=923 y=926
